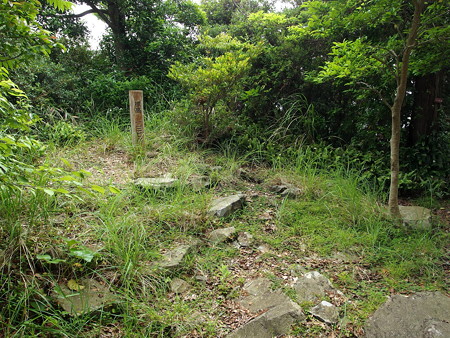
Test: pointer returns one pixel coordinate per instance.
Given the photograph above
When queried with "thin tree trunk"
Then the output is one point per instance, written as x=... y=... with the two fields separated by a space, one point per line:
x=397 y=107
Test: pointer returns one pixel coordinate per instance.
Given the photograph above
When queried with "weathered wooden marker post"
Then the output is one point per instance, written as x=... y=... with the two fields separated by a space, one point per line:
x=137 y=116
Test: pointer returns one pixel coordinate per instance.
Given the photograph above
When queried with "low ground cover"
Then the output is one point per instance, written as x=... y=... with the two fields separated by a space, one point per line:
x=336 y=225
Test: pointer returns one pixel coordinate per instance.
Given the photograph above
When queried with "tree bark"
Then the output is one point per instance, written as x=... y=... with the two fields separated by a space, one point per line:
x=428 y=90
x=113 y=15
x=397 y=107
x=117 y=25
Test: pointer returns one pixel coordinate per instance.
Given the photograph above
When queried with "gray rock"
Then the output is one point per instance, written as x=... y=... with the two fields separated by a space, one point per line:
x=92 y=297
x=313 y=286
x=263 y=248
x=298 y=269
x=260 y=296
x=179 y=286
x=436 y=328
x=264 y=301
x=326 y=312
x=245 y=239
x=278 y=189
x=155 y=182
x=173 y=258
x=222 y=235
x=280 y=318
x=248 y=176
x=201 y=278
x=287 y=190
x=275 y=322
x=257 y=286
x=425 y=314
x=292 y=192
x=415 y=217
x=199 y=182
x=280 y=312
x=344 y=257
x=225 y=206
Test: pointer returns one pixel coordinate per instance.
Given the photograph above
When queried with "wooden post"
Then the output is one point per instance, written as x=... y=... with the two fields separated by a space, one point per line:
x=137 y=116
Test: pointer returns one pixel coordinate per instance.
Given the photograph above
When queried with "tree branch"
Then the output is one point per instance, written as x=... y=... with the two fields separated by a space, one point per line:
x=90 y=11
x=376 y=91
x=101 y=12
x=11 y=57
x=390 y=67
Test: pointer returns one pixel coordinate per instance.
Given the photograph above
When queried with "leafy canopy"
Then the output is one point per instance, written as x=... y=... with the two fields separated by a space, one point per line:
x=21 y=36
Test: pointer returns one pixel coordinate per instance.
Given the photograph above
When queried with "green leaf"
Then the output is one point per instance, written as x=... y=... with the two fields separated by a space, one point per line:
x=62 y=191
x=86 y=191
x=60 y=4
x=67 y=163
x=114 y=190
x=82 y=253
x=44 y=257
x=98 y=188
x=82 y=173
x=73 y=285
x=67 y=178
x=71 y=242
x=49 y=259
x=49 y=192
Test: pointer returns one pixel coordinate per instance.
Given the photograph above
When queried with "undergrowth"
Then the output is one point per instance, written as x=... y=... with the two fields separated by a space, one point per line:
x=115 y=239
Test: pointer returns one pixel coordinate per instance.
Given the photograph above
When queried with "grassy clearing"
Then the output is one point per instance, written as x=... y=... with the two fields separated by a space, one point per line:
x=337 y=226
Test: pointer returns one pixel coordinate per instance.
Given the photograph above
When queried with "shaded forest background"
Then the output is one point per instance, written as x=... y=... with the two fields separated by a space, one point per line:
x=248 y=99
x=317 y=75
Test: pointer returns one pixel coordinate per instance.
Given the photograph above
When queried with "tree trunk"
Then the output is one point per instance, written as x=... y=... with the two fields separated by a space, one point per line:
x=114 y=17
x=397 y=107
x=428 y=89
x=117 y=25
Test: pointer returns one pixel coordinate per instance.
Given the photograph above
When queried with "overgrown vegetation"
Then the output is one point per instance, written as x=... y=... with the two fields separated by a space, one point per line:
x=237 y=92
x=116 y=238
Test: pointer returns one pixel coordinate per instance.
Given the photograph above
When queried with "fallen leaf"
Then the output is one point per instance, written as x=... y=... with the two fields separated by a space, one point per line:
x=73 y=285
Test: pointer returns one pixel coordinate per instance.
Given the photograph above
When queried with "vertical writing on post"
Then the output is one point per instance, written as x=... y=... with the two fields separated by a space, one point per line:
x=137 y=116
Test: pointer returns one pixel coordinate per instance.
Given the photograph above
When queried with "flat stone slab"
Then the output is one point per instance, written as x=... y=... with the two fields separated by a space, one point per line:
x=90 y=297
x=260 y=296
x=199 y=182
x=265 y=301
x=179 y=286
x=222 y=235
x=225 y=206
x=313 y=286
x=248 y=176
x=257 y=286
x=287 y=190
x=436 y=328
x=275 y=322
x=173 y=258
x=155 y=182
x=263 y=248
x=326 y=312
x=425 y=314
x=280 y=312
x=415 y=217
x=245 y=239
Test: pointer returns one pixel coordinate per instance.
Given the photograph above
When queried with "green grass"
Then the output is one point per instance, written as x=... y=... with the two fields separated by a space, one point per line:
x=337 y=214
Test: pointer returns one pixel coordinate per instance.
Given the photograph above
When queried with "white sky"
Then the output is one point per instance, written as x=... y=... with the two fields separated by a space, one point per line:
x=97 y=27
